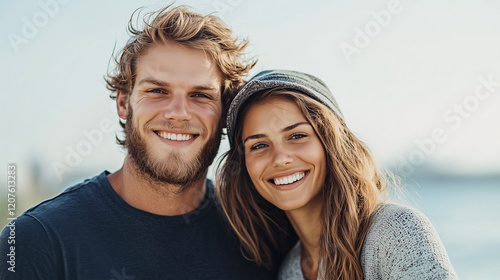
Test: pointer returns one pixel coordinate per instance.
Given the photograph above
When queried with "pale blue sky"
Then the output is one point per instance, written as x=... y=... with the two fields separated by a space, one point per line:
x=405 y=80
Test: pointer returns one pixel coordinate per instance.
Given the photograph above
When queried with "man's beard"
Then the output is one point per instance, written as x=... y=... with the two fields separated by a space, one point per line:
x=173 y=171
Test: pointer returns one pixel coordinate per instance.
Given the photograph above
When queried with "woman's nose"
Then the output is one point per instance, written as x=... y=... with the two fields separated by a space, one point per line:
x=282 y=156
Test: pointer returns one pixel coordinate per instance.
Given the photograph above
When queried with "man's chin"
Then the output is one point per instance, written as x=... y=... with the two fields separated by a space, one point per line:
x=174 y=169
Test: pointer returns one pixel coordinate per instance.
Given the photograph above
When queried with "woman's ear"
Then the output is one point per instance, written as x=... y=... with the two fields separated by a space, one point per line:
x=122 y=104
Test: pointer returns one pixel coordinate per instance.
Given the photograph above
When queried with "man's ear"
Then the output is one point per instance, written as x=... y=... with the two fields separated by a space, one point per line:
x=122 y=104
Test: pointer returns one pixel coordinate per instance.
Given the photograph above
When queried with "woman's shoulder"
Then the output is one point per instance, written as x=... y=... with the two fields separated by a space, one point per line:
x=394 y=224
x=399 y=237
x=393 y=216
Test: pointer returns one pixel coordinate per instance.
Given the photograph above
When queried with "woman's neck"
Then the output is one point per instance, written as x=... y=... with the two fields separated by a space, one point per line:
x=307 y=224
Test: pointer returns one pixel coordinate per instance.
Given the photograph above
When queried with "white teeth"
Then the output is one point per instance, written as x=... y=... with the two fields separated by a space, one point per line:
x=177 y=137
x=289 y=179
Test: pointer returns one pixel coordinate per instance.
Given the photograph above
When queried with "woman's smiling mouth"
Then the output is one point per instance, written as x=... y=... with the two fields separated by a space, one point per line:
x=289 y=181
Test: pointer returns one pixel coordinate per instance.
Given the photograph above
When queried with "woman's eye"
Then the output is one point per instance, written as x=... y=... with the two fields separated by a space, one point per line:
x=257 y=147
x=298 y=136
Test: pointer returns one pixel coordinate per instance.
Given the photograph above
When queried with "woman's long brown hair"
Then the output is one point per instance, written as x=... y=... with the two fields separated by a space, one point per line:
x=351 y=192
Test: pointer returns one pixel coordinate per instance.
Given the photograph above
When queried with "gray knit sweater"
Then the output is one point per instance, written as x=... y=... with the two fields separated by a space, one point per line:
x=401 y=243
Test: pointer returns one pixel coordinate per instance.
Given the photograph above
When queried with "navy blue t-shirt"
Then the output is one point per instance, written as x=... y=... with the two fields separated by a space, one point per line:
x=89 y=232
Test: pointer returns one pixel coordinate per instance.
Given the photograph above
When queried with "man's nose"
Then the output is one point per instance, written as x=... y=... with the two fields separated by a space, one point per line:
x=178 y=108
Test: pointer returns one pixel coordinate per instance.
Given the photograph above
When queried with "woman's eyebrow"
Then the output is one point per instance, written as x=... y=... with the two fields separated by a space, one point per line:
x=290 y=127
x=255 y=136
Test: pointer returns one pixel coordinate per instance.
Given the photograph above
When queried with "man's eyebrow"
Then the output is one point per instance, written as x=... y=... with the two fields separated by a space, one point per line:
x=154 y=82
x=166 y=84
x=290 y=127
x=205 y=87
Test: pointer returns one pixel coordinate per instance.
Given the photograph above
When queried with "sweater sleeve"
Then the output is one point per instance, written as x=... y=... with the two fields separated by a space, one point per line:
x=402 y=244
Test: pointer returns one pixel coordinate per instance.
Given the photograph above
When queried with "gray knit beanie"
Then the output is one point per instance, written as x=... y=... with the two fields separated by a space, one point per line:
x=282 y=79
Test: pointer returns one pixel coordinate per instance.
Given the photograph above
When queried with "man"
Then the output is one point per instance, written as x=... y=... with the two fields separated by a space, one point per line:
x=156 y=217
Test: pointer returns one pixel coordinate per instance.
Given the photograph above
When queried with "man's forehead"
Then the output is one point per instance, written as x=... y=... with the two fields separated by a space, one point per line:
x=172 y=65
x=173 y=52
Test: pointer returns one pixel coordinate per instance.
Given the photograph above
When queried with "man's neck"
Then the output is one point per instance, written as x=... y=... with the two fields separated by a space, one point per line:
x=154 y=197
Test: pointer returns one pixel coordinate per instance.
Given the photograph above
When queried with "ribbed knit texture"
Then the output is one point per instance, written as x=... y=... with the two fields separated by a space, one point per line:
x=401 y=244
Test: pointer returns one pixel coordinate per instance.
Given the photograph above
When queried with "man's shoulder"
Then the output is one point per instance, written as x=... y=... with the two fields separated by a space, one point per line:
x=68 y=201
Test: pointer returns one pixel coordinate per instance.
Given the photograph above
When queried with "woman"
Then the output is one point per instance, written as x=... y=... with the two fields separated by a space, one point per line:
x=295 y=169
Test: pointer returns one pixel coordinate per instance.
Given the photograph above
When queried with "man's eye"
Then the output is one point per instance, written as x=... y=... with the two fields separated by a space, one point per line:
x=201 y=95
x=257 y=147
x=156 y=90
x=298 y=136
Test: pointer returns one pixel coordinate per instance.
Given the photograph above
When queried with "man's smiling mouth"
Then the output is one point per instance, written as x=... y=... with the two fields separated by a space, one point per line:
x=175 y=136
